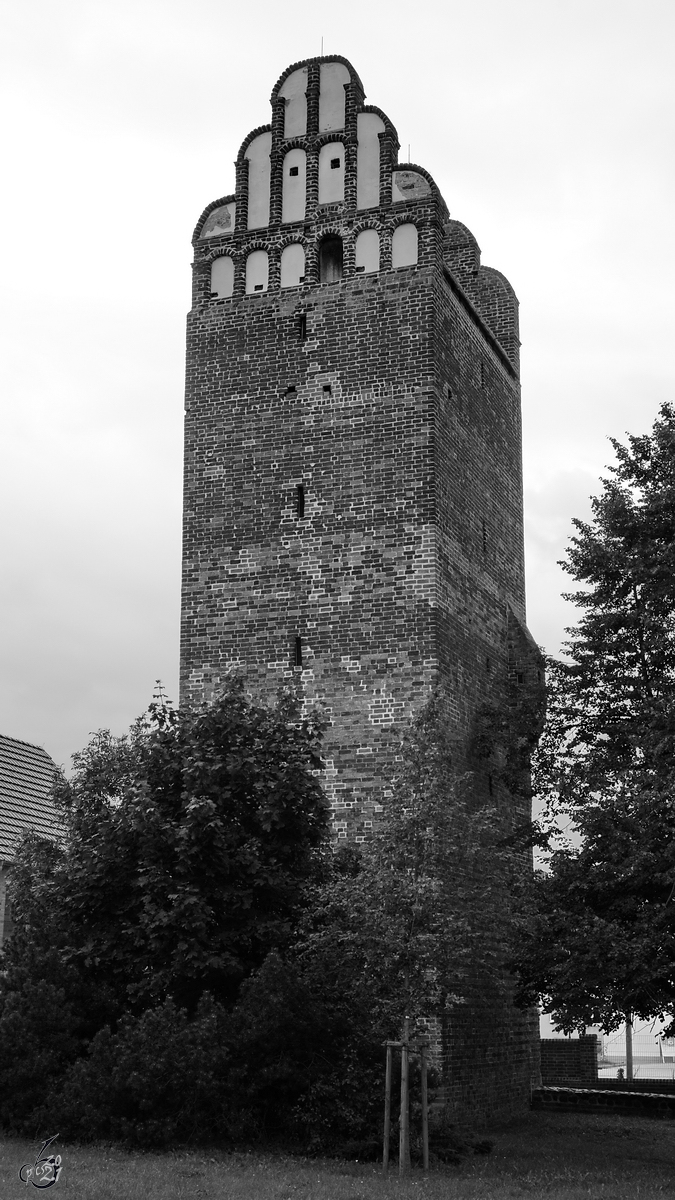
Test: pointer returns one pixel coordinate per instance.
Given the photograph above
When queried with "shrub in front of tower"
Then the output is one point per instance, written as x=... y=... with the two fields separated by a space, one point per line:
x=394 y=929
x=190 y=846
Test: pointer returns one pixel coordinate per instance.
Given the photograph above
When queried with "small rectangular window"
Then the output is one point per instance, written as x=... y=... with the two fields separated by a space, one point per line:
x=302 y=326
x=300 y=499
x=297 y=652
x=334 y=164
x=291 y=391
x=327 y=389
x=293 y=171
x=520 y=677
x=359 y=270
x=258 y=287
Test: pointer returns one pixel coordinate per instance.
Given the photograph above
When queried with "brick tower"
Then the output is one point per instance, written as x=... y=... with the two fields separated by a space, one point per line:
x=353 y=497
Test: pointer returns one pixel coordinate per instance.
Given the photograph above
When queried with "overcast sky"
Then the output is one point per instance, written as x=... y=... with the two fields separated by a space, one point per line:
x=548 y=125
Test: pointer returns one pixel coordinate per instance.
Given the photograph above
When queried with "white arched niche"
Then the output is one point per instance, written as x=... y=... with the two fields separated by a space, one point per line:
x=404 y=246
x=368 y=251
x=334 y=76
x=293 y=186
x=292 y=265
x=294 y=92
x=369 y=127
x=222 y=276
x=257 y=271
x=258 y=155
x=332 y=173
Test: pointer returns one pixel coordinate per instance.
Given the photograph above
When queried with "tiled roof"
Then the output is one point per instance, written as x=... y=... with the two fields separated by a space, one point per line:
x=26 y=776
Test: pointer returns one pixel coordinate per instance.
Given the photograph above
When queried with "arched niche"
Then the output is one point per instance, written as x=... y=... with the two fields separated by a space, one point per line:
x=222 y=276
x=257 y=271
x=334 y=76
x=292 y=265
x=294 y=92
x=294 y=186
x=330 y=259
x=219 y=221
x=409 y=185
x=258 y=155
x=404 y=246
x=369 y=127
x=368 y=251
x=332 y=173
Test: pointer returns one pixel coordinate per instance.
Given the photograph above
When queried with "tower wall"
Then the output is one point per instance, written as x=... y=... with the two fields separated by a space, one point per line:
x=353 y=495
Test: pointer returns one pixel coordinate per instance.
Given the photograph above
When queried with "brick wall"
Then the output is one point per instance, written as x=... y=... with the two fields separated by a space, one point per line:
x=390 y=399
x=569 y=1061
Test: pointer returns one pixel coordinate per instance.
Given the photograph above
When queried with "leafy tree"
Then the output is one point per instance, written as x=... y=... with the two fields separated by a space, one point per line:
x=603 y=941
x=188 y=847
x=407 y=927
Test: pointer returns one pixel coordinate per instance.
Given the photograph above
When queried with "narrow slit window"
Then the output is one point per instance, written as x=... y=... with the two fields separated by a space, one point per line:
x=302 y=327
x=520 y=677
x=300 y=499
x=297 y=652
x=482 y=374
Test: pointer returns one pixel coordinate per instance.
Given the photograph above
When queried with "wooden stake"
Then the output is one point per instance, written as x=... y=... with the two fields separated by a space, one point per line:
x=425 y=1109
x=404 y=1129
x=387 y=1111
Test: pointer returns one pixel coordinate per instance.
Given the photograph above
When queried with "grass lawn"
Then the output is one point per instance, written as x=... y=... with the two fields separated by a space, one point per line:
x=565 y=1157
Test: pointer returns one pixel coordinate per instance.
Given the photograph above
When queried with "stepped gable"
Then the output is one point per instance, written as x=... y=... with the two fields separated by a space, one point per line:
x=286 y=192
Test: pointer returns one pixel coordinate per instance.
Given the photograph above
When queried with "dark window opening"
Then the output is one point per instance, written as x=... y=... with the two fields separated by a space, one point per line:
x=294 y=171
x=330 y=260
x=291 y=391
x=482 y=375
x=297 y=652
x=327 y=389
x=448 y=392
x=334 y=164
x=300 y=499
x=484 y=537
x=259 y=287
x=519 y=677
x=359 y=270
x=302 y=326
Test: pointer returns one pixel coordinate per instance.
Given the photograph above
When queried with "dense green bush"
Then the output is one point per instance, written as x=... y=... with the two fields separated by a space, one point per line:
x=194 y=964
x=159 y=1079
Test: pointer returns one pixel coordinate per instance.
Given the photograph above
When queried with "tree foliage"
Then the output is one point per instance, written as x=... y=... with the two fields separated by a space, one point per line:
x=194 y=898
x=602 y=942
x=188 y=846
